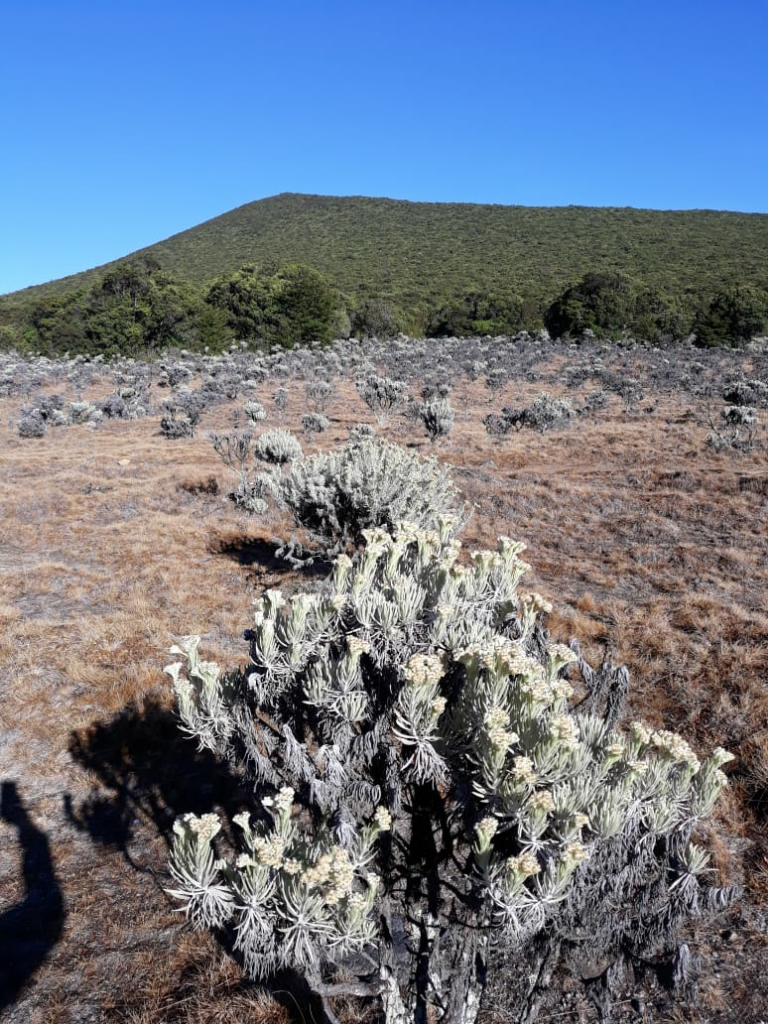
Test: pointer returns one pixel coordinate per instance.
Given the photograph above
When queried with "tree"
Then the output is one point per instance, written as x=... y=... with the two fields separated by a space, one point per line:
x=133 y=309
x=601 y=302
x=732 y=317
x=477 y=313
x=376 y=318
x=287 y=305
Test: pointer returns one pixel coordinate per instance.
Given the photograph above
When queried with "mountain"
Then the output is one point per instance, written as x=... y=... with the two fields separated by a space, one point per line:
x=415 y=253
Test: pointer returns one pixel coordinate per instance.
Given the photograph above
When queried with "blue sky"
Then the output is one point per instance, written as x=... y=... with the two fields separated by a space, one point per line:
x=121 y=124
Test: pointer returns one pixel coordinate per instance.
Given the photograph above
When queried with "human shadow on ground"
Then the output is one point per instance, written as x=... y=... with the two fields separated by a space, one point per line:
x=149 y=773
x=32 y=927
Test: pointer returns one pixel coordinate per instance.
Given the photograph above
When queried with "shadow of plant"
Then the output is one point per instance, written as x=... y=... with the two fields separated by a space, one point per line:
x=268 y=555
x=32 y=927
x=151 y=772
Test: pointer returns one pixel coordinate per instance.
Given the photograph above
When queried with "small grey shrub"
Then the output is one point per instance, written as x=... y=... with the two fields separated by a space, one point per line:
x=32 y=425
x=361 y=432
x=255 y=411
x=497 y=379
x=278 y=447
x=173 y=426
x=319 y=393
x=753 y=392
x=382 y=395
x=438 y=416
x=594 y=402
x=280 y=398
x=739 y=415
x=82 y=412
x=314 y=423
x=433 y=806
x=234 y=449
x=544 y=413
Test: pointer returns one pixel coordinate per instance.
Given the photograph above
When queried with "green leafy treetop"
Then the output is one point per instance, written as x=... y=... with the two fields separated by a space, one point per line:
x=733 y=317
x=277 y=305
x=429 y=796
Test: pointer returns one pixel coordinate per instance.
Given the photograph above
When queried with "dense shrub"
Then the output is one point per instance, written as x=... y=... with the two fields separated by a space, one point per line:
x=430 y=802
x=608 y=304
x=477 y=313
x=134 y=308
x=375 y=318
x=732 y=317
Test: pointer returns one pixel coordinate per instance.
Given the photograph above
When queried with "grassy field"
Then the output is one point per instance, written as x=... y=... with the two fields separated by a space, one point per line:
x=116 y=542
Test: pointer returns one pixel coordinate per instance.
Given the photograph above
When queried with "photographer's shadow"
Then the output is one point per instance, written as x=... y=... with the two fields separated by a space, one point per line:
x=32 y=927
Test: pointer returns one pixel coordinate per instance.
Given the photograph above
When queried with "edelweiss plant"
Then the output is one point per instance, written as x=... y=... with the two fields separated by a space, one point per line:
x=437 y=416
x=336 y=495
x=428 y=796
x=381 y=394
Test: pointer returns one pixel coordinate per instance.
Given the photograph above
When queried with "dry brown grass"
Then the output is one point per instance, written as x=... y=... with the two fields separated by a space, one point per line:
x=116 y=542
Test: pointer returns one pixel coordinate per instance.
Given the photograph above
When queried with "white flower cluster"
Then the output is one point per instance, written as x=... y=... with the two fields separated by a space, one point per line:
x=675 y=748
x=333 y=873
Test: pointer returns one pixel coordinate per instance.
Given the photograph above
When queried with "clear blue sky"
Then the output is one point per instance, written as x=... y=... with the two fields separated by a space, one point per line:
x=123 y=123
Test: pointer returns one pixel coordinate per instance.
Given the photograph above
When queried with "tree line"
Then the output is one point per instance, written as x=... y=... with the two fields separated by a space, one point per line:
x=138 y=309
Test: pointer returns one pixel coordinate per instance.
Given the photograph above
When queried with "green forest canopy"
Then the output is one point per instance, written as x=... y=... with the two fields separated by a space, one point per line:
x=438 y=267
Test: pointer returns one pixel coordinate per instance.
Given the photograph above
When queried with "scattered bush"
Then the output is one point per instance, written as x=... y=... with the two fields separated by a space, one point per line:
x=337 y=495
x=381 y=394
x=437 y=416
x=429 y=807
x=255 y=411
x=314 y=423
x=32 y=425
x=278 y=447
